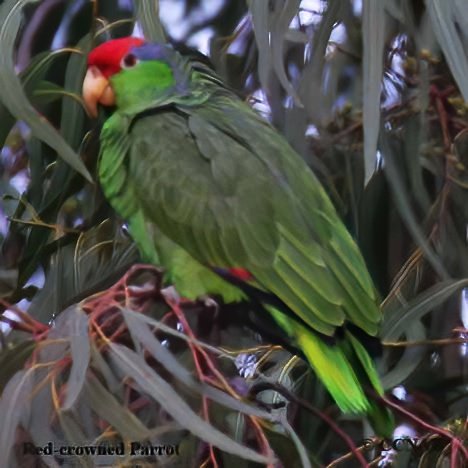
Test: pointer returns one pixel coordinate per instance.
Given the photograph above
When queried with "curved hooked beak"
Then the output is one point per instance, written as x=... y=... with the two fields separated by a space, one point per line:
x=96 y=90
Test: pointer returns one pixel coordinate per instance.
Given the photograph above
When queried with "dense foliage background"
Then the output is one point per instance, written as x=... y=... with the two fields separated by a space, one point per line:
x=373 y=95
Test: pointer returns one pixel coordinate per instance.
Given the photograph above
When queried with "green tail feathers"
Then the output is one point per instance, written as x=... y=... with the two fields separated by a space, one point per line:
x=345 y=369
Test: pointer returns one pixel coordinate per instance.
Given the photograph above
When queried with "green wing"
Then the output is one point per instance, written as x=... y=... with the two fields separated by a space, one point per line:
x=223 y=185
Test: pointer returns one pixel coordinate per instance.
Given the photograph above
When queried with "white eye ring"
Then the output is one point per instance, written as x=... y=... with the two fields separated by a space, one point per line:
x=129 y=61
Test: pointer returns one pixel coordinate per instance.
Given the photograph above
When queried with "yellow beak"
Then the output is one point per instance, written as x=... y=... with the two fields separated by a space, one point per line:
x=96 y=90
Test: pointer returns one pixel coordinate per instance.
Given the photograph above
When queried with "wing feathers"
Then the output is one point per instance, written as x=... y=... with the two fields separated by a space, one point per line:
x=285 y=288
x=360 y=308
x=232 y=199
x=323 y=309
x=317 y=275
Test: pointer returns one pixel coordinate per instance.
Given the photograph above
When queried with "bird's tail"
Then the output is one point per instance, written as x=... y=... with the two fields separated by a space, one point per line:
x=379 y=416
x=345 y=368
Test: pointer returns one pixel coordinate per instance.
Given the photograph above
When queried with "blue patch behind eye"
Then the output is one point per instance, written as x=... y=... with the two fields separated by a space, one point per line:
x=169 y=55
x=152 y=52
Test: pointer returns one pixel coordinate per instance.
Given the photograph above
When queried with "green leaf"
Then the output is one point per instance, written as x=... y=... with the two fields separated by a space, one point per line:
x=12 y=360
x=409 y=360
x=373 y=37
x=412 y=147
x=397 y=321
x=147 y=14
x=311 y=88
x=281 y=20
x=74 y=436
x=402 y=202
x=95 y=261
x=111 y=410
x=459 y=9
x=260 y=18
x=394 y=9
x=301 y=450
x=8 y=281
x=12 y=93
x=30 y=77
x=80 y=354
x=444 y=20
x=73 y=114
x=47 y=92
x=42 y=407
x=14 y=405
x=100 y=365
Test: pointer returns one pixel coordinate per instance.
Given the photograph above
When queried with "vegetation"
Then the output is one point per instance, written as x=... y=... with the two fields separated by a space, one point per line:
x=374 y=96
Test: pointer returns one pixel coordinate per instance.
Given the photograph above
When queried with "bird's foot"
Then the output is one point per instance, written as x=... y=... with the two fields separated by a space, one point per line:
x=170 y=295
x=209 y=303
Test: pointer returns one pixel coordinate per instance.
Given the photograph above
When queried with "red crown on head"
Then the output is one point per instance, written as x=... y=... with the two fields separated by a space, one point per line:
x=107 y=56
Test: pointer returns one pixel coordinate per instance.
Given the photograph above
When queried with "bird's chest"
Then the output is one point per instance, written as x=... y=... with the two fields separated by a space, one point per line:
x=113 y=172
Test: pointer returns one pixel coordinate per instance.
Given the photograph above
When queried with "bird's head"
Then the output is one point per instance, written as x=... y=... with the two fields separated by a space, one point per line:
x=134 y=75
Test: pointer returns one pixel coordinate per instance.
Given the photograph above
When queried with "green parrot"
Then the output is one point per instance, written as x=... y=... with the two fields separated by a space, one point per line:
x=214 y=194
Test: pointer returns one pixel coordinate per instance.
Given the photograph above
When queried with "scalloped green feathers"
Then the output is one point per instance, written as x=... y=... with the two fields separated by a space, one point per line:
x=204 y=182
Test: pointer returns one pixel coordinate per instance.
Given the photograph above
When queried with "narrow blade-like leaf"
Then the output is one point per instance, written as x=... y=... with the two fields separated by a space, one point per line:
x=80 y=353
x=443 y=19
x=373 y=37
x=147 y=13
x=396 y=323
x=13 y=96
x=16 y=400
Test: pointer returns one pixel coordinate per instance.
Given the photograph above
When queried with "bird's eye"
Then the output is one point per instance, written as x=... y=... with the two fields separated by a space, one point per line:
x=129 y=61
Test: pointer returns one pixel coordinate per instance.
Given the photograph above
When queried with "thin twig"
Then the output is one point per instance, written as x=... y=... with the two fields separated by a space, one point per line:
x=440 y=342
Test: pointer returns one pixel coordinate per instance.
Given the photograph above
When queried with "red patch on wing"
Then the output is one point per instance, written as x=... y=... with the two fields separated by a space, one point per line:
x=107 y=56
x=241 y=274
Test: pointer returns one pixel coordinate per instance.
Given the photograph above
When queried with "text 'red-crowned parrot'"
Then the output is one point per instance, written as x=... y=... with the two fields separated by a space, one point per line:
x=216 y=195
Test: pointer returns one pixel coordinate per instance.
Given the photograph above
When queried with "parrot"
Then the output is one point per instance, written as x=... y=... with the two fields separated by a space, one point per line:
x=215 y=195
